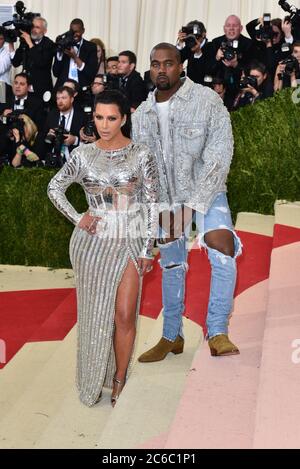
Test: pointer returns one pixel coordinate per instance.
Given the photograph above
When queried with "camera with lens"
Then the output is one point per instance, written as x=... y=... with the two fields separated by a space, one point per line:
x=291 y=66
x=89 y=129
x=194 y=32
x=87 y=100
x=230 y=49
x=248 y=81
x=13 y=121
x=293 y=11
x=22 y=22
x=65 y=41
x=10 y=35
x=265 y=33
x=54 y=159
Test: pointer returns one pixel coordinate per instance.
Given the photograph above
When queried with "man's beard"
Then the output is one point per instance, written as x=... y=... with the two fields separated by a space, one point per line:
x=163 y=86
x=36 y=37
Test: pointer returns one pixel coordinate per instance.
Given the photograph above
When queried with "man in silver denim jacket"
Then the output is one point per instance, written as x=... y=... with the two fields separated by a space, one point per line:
x=188 y=129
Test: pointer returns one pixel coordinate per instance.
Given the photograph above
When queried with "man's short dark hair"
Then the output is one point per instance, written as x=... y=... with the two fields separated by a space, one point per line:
x=200 y=25
x=78 y=21
x=131 y=56
x=113 y=59
x=67 y=89
x=24 y=75
x=296 y=44
x=260 y=67
x=75 y=83
x=167 y=46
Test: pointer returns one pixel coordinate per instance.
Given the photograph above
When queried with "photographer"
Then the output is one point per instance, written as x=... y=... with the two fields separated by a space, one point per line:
x=131 y=82
x=112 y=65
x=292 y=22
x=78 y=60
x=255 y=86
x=5 y=65
x=99 y=85
x=23 y=148
x=35 y=54
x=219 y=86
x=230 y=53
x=24 y=102
x=194 y=48
x=269 y=36
x=288 y=70
x=62 y=127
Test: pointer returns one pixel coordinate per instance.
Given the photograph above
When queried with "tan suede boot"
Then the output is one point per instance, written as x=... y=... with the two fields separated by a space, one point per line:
x=221 y=346
x=161 y=350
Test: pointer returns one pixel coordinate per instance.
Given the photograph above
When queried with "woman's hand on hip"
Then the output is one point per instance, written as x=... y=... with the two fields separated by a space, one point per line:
x=89 y=223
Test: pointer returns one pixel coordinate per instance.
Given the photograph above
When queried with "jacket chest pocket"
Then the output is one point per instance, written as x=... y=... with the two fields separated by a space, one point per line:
x=191 y=139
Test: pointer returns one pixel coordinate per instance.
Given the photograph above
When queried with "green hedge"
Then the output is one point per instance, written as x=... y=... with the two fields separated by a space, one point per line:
x=32 y=231
x=266 y=167
x=266 y=164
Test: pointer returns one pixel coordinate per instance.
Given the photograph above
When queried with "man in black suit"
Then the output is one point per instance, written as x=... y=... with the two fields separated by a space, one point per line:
x=131 y=82
x=24 y=102
x=195 y=48
x=80 y=62
x=35 y=54
x=242 y=49
x=66 y=116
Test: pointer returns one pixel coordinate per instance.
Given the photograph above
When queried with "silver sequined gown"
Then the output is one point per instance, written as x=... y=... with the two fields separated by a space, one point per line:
x=121 y=187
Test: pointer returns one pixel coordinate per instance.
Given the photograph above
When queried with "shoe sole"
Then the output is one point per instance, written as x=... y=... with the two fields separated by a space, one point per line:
x=227 y=354
x=175 y=352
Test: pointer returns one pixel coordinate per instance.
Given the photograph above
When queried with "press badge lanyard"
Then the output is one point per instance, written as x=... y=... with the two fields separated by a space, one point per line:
x=73 y=66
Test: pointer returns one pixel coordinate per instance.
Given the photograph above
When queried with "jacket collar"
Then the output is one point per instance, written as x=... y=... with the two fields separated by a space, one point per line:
x=182 y=93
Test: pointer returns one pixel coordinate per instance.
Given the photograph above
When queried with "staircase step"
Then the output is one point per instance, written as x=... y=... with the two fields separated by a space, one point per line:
x=278 y=412
x=35 y=407
x=217 y=406
x=73 y=425
x=147 y=405
x=255 y=223
x=20 y=372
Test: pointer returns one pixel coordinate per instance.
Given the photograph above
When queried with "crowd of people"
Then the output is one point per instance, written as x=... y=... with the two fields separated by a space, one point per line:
x=242 y=70
x=152 y=156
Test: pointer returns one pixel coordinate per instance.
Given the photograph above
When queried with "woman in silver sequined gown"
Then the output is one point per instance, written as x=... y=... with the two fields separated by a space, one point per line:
x=111 y=246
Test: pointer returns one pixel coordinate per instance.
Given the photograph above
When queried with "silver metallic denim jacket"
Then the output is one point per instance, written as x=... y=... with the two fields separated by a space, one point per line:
x=200 y=150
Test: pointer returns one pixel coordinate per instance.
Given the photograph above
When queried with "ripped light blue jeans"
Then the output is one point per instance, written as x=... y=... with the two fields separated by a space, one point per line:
x=223 y=276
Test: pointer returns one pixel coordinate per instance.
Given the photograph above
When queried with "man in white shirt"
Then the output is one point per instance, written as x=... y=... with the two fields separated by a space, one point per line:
x=80 y=62
x=66 y=116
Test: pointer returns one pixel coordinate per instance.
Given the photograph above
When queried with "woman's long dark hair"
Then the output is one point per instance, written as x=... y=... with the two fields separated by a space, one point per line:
x=120 y=100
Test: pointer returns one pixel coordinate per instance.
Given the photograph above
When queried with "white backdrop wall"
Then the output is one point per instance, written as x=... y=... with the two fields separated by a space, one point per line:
x=138 y=25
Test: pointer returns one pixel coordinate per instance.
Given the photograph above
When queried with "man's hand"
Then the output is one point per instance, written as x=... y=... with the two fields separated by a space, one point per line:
x=84 y=138
x=27 y=39
x=181 y=36
x=231 y=63
x=16 y=135
x=175 y=224
x=197 y=48
x=251 y=90
x=280 y=68
x=7 y=112
x=70 y=53
x=286 y=27
x=220 y=55
x=69 y=140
